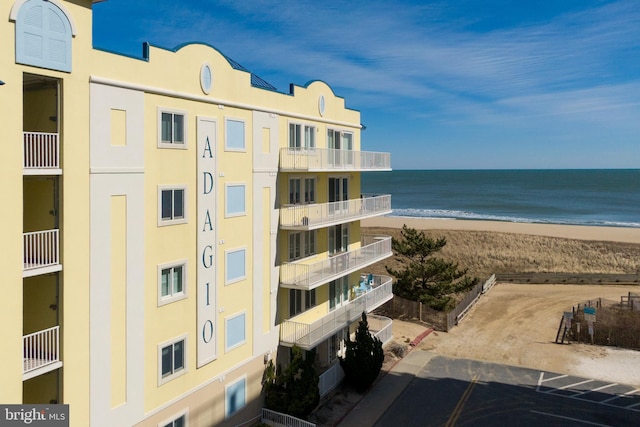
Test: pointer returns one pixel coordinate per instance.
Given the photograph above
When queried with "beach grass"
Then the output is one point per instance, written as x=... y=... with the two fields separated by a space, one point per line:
x=486 y=252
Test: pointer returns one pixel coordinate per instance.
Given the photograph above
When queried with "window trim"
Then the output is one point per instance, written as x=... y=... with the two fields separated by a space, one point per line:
x=172 y=221
x=164 y=300
x=227 y=147
x=308 y=300
x=228 y=214
x=172 y=145
x=303 y=190
x=227 y=347
x=175 y=374
x=303 y=133
x=184 y=413
x=304 y=243
x=237 y=279
x=228 y=414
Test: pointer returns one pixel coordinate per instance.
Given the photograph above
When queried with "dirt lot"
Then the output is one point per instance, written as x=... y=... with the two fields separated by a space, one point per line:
x=517 y=325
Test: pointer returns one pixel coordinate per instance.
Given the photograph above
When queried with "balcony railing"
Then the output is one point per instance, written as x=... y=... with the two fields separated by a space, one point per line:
x=309 y=276
x=327 y=159
x=41 y=352
x=309 y=217
x=279 y=419
x=308 y=335
x=41 y=153
x=329 y=379
x=41 y=252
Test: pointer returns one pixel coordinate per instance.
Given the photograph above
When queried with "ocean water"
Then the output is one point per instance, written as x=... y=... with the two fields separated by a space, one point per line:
x=609 y=197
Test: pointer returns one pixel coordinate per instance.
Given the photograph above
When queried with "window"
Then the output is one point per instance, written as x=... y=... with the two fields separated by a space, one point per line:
x=300 y=301
x=172 y=205
x=301 y=244
x=235 y=200
x=172 y=282
x=302 y=190
x=43 y=35
x=172 y=359
x=176 y=421
x=235 y=397
x=342 y=144
x=338 y=239
x=338 y=292
x=235 y=136
x=235 y=331
x=302 y=136
x=338 y=192
x=172 y=130
x=235 y=265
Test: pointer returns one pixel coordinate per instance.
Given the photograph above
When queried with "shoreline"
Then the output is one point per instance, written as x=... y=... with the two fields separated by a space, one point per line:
x=579 y=232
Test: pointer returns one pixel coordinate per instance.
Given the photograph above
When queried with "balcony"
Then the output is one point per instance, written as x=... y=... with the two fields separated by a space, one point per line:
x=309 y=335
x=41 y=252
x=309 y=276
x=41 y=352
x=311 y=217
x=327 y=159
x=41 y=153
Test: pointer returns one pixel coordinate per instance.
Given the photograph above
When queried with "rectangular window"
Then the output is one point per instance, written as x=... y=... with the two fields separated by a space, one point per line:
x=172 y=207
x=300 y=301
x=176 y=421
x=302 y=191
x=172 y=358
x=338 y=292
x=172 y=282
x=235 y=331
x=302 y=136
x=235 y=265
x=235 y=397
x=342 y=144
x=235 y=204
x=171 y=130
x=302 y=244
x=235 y=138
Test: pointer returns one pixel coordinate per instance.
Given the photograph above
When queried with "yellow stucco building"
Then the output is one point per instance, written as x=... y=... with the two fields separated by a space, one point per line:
x=176 y=222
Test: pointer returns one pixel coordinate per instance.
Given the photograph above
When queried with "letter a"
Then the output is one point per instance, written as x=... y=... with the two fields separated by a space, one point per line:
x=207 y=221
x=207 y=147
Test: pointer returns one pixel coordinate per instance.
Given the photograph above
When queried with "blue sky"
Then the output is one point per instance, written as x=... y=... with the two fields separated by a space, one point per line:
x=465 y=84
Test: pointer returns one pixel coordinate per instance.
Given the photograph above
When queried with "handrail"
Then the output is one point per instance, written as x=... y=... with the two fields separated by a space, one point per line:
x=319 y=159
x=40 y=249
x=41 y=348
x=41 y=150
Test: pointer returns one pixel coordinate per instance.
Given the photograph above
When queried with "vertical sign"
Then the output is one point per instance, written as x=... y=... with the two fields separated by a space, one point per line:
x=207 y=268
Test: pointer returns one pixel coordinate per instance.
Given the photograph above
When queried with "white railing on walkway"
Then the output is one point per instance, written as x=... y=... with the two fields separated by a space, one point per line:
x=327 y=159
x=330 y=379
x=41 y=348
x=308 y=335
x=41 y=150
x=277 y=419
x=381 y=327
x=40 y=249
x=308 y=276
x=320 y=215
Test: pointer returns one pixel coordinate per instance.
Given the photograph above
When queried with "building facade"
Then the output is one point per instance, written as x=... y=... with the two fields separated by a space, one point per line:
x=182 y=223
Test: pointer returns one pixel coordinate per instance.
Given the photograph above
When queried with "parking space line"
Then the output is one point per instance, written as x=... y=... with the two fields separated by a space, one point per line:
x=570 y=419
x=632 y=406
x=571 y=385
x=551 y=379
x=595 y=389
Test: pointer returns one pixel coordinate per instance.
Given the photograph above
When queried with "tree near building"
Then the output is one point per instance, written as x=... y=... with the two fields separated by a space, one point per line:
x=423 y=276
x=363 y=357
x=294 y=389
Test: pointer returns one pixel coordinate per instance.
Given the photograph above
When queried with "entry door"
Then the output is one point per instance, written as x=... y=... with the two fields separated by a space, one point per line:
x=338 y=192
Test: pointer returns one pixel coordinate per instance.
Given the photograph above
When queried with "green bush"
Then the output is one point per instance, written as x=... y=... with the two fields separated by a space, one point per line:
x=363 y=357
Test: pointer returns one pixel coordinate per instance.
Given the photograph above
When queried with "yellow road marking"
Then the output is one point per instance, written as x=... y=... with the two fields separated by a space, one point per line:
x=458 y=409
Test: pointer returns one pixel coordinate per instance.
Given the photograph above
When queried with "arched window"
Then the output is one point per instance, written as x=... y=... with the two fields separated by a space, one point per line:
x=43 y=34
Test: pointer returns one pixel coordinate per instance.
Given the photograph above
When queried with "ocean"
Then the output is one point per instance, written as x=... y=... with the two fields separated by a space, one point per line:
x=604 y=197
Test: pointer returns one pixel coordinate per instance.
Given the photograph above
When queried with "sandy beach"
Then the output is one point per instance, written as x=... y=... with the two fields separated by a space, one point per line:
x=579 y=232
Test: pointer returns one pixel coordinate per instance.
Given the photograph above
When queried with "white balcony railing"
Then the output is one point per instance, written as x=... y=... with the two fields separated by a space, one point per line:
x=327 y=159
x=381 y=327
x=41 y=251
x=41 y=350
x=41 y=152
x=309 y=217
x=308 y=335
x=308 y=276
x=279 y=419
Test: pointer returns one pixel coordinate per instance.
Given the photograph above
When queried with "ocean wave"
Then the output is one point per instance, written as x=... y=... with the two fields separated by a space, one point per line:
x=455 y=214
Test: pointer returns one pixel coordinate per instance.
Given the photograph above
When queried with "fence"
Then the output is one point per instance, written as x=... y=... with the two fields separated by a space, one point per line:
x=41 y=150
x=277 y=419
x=41 y=348
x=401 y=308
x=40 y=249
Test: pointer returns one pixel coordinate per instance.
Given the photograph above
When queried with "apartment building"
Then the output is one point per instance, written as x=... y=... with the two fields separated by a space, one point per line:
x=176 y=223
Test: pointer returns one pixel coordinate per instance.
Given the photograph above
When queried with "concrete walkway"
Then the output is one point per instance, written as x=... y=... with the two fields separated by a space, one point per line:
x=382 y=395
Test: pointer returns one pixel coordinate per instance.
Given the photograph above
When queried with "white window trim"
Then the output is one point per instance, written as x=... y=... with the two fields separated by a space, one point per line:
x=303 y=189
x=226 y=263
x=303 y=125
x=226 y=330
x=172 y=145
x=182 y=371
x=303 y=242
x=184 y=413
x=184 y=219
x=227 y=415
x=177 y=297
x=226 y=135
x=226 y=199
x=305 y=305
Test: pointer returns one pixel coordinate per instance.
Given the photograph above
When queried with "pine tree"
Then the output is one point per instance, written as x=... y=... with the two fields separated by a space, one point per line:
x=426 y=278
x=363 y=357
